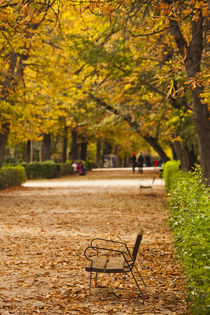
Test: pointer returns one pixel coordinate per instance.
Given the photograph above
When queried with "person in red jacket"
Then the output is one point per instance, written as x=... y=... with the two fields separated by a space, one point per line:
x=156 y=163
x=80 y=168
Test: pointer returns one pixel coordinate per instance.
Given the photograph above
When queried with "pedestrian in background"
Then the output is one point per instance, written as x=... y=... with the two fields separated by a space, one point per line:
x=133 y=162
x=140 y=162
x=114 y=158
x=148 y=159
x=156 y=163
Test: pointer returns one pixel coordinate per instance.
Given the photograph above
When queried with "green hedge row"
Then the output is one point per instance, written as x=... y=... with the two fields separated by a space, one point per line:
x=50 y=169
x=170 y=173
x=189 y=201
x=12 y=176
x=16 y=175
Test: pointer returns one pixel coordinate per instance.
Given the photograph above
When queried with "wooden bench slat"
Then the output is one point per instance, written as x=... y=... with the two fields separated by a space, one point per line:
x=98 y=264
x=102 y=264
x=115 y=265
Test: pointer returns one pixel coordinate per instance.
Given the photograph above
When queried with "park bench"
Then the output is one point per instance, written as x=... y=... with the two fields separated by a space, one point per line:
x=101 y=259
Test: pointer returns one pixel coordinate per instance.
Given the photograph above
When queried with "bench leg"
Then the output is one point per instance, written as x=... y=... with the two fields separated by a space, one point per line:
x=140 y=276
x=90 y=285
x=142 y=296
x=96 y=278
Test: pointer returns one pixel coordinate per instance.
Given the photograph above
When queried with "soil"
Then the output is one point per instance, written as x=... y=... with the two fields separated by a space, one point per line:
x=46 y=225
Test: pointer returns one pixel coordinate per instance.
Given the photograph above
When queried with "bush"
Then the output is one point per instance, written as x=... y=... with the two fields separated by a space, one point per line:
x=189 y=203
x=47 y=169
x=89 y=165
x=65 y=168
x=12 y=176
x=50 y=169
x=170 y=173
x=33 y=170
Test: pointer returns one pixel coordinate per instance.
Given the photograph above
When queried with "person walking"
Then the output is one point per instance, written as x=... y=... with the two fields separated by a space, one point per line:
x=156 y=163
x=133 y=162
x=114 y=158
x=140 y=162
x=148 y=159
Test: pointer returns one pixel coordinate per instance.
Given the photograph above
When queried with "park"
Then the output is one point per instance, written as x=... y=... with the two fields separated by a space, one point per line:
x=104 y=135
x=47 y=224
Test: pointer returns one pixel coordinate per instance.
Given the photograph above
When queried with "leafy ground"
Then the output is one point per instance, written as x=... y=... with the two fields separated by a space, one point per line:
x=44 y=231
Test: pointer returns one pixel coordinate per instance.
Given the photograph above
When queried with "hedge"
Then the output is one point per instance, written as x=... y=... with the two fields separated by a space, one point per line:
x=65 y=169
x=189 y=204
x=16 y=175
x=12 y=176
x=47 y=169
x=50 y=169
x=170 y=173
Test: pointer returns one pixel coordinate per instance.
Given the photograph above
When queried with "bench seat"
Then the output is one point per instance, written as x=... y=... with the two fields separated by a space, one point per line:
x=106 y=265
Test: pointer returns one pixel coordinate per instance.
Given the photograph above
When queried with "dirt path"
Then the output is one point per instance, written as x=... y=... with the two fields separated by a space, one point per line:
x=45 y=229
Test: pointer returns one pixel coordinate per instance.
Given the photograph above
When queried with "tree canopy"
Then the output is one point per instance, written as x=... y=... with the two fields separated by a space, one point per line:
x=78 y=63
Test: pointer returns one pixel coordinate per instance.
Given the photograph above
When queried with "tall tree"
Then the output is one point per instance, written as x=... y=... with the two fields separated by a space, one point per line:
x=186 y=25
x=191 y=48
x=19 y=21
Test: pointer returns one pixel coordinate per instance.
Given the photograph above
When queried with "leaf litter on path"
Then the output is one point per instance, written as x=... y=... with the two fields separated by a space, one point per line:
x=44 y=231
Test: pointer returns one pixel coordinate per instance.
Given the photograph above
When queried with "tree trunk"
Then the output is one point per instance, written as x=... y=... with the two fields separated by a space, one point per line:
x=202 y=124
x=187 y=157
x=201 y=113
x=83 y=151
x=134 y=125
x=6 y=85
x=14 y=75
x=174 y=155
x=157 y=147
x=125 y=161
x=107 y=147
x=46 y=147
x=28 y=151
x=31 y=151
x=98 y=153
x=3 y=141
x=192 y=157
x=192 y=55
x=65 y=141
x=73 y=154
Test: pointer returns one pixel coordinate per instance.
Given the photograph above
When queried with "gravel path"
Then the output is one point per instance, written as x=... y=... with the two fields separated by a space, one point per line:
x=46 y=225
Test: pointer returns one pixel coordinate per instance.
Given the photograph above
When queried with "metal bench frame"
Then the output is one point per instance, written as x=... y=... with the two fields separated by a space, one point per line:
x=125 y=264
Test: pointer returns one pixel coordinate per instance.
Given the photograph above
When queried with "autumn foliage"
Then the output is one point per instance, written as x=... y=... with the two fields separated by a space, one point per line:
x=76 y=65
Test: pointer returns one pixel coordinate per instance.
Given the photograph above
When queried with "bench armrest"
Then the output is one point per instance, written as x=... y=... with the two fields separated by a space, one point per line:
x=89 y=248
x=97 y=249
x=111 y=241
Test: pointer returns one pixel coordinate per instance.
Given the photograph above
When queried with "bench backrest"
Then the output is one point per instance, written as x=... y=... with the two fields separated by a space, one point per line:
x=137 y=244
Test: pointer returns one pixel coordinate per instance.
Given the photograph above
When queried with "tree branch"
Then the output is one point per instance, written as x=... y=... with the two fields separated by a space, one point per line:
x=134 y=125
x=178 y=36
x=148 y=34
